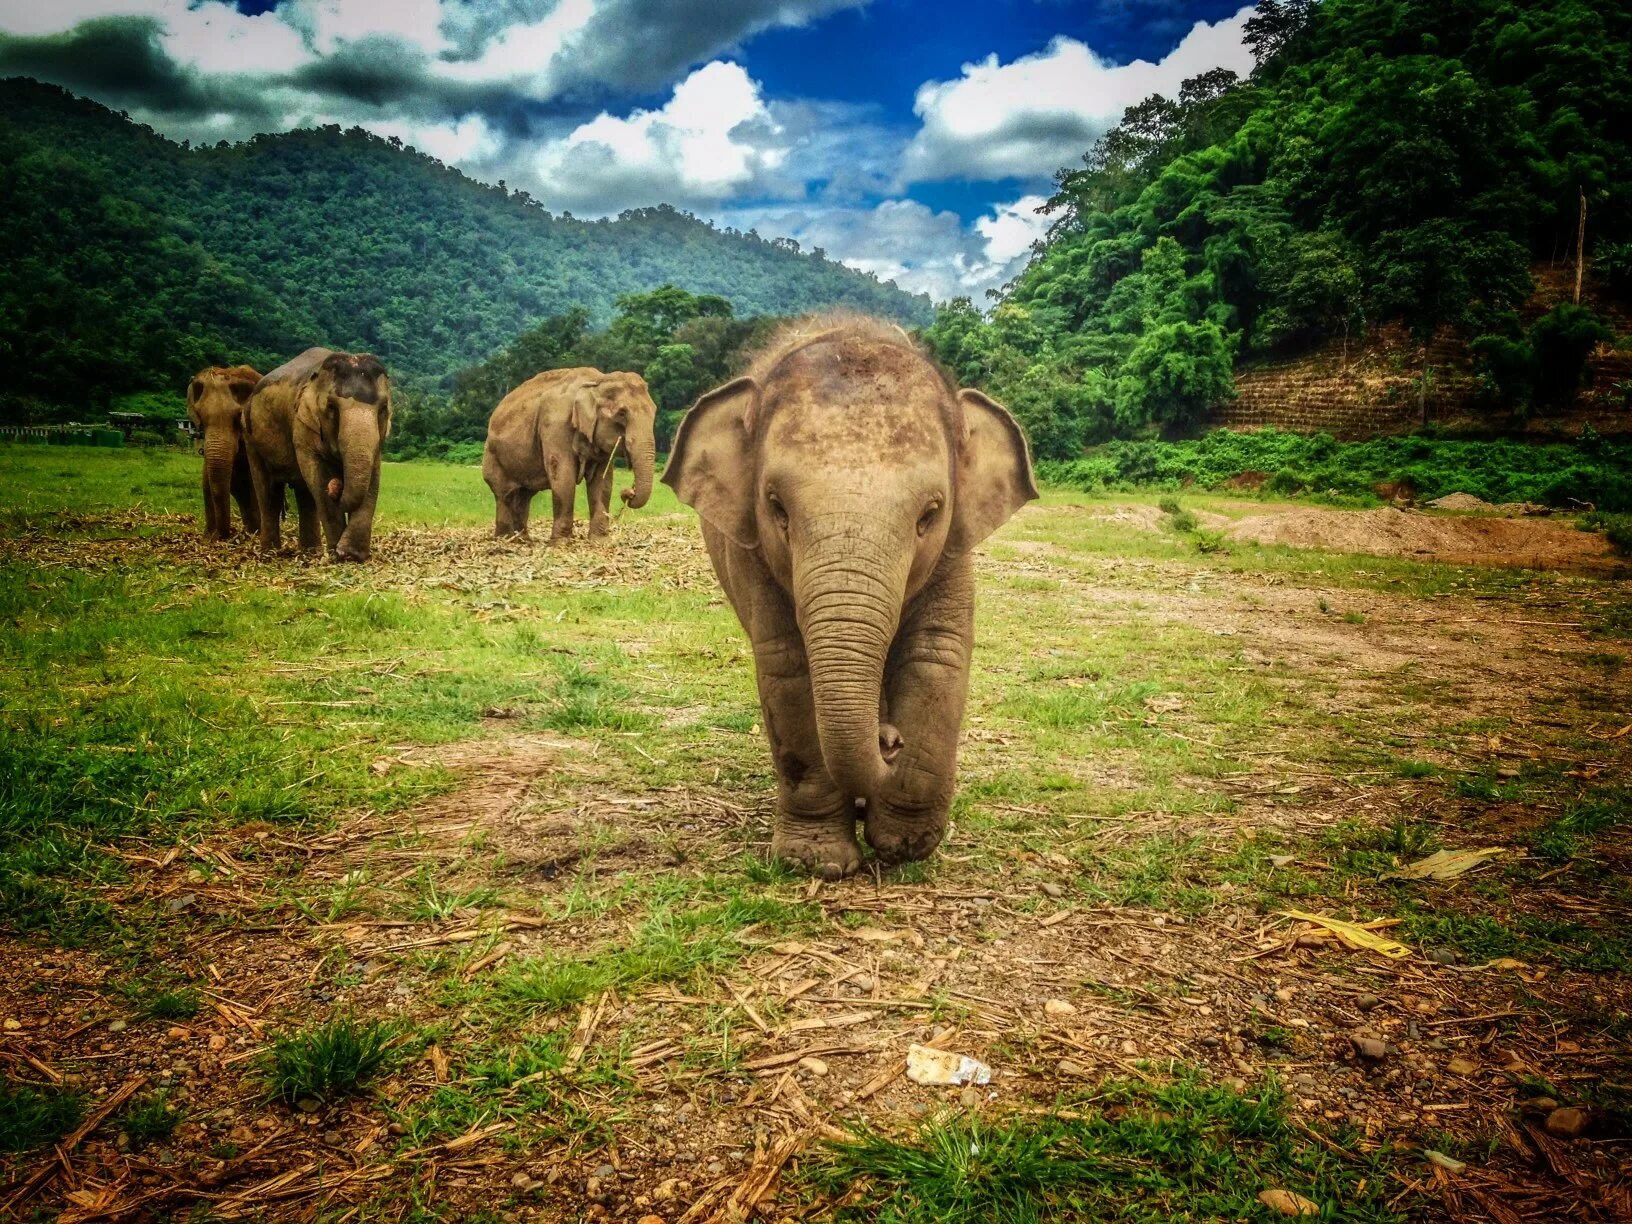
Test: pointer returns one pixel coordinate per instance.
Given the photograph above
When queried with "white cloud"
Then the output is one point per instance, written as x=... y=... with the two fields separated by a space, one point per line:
x=920 y=249
x=1012 y=229
x=1028 y=118
x=332 y=23
x=712 y=139
x=468 y=140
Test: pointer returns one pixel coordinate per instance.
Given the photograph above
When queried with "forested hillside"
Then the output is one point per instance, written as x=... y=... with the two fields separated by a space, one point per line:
x=1388 y=161
x=132 y=261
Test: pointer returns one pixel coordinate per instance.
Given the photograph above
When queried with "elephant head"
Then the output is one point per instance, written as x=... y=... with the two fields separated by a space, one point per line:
x=854 y=470
x=215 y=404
x=618 y=407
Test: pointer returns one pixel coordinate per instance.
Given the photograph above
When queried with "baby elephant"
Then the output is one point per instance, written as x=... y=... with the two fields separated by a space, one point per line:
x=316 y=424
x=558 y=429
x=841 y=486
x=215 y=403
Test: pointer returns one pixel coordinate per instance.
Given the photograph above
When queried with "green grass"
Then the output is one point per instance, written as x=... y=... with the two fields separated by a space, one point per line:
x=158 y=998
x=329 y=1060
x=1571 y=834
x=33 y=1117
x=669 y=946
x=149 y=1117
x=1186 y=1151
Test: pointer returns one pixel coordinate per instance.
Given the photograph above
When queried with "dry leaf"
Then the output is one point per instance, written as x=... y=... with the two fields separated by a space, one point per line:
x=1287 y=1203
x=1354 y=936
x=1448 y=864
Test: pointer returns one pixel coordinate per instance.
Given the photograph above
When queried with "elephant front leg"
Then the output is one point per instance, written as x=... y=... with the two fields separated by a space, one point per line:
x=325 y=509
x=599 y=487
x=243 y=492
x=306 y=507
x=268 y=504
x=563 y=491
x=815 y=822
x=926 y=684
x=357 y=538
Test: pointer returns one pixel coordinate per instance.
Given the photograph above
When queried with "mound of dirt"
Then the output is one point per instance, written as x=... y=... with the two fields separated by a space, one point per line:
x=1462 y=501
x=1153 y=518
x=1526 y=542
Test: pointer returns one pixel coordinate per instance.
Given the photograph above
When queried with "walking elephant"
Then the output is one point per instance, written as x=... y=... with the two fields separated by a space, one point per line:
x=316 y=425
x=215 y=403
x=841 y=485
x=563 y=427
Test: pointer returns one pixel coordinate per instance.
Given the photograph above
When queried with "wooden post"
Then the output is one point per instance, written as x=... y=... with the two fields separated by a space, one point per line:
x=1580 y=243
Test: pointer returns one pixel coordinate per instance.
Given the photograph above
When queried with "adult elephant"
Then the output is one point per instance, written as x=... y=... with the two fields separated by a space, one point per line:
x=315 y=425
x=841 y=485
x=562 y=427
x=215 y=404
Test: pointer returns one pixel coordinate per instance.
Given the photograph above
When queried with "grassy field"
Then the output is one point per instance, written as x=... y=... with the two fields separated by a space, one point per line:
x=436 y=888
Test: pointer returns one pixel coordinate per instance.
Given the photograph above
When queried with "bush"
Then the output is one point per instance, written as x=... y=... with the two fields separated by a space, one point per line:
x=1562 y=340
x=1594 y=471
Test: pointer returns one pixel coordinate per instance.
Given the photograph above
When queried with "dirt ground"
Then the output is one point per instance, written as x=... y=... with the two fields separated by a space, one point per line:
x=1458 y=533
x=1014 y=965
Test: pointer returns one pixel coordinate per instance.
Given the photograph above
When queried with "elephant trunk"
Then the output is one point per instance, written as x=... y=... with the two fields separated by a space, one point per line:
x=848 y=592
x=359 y=447
x=642 y=443
x=220 y=453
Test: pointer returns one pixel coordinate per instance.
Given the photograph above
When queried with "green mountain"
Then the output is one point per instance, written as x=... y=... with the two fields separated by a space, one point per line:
x=131 y=261
x=1389 y=163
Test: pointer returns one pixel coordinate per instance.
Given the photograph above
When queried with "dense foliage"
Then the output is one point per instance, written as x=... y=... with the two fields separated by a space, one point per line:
x=1592 y=472
x=1387 y=161
x=131 y=261
x=681 y=343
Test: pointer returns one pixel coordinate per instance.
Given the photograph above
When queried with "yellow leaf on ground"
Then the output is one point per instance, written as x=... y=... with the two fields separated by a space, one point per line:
x=1287 y=1203
x=1448 y=864
x=1354 y=936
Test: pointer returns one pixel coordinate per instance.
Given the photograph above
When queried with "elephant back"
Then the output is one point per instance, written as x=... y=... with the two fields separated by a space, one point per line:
x=296 y=369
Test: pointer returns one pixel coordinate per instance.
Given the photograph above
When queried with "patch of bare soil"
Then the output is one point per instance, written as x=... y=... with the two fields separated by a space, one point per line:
x=1529 y=543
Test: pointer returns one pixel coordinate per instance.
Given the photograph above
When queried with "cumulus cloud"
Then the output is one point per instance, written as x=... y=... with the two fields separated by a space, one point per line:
x=712 y=139
x=921 y=249
x=422 y=58
x=1027 y=118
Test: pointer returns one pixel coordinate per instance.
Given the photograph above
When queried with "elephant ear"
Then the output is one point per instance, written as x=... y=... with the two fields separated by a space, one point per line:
x=994 y=472
x=583 y=412
x=195 y=390
x=241 y=389
x=711 y=464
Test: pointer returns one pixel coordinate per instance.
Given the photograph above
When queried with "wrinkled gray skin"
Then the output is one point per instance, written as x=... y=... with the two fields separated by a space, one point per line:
x=841 y=487
x=562 y=427
x=316 y=425
x=215 y=404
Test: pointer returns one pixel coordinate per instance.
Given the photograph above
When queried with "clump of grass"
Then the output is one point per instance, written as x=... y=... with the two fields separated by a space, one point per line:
x=148 y=1118
x=668 y=947
x=150 y=999
x=1570 y=835
x=328 y=1060
x=586 y=700
x=33 y=1117
x=1186 y=1148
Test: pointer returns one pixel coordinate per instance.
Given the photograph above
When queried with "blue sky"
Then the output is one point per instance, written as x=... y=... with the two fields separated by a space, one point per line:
x=911 y=140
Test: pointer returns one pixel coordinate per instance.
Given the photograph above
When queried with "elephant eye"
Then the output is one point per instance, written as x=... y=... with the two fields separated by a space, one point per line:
x=926 y=520
x=778 y=510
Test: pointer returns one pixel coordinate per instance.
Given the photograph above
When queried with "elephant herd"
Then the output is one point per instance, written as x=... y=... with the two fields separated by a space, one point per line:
x=316 y=426
x=842 y=482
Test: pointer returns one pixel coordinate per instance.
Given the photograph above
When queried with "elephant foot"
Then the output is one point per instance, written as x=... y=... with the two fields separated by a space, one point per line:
x=348 y=553
x=825 y=853
x=899 y=840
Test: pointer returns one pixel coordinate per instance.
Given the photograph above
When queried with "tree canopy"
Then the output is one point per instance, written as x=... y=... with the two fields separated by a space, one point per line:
x=132 y=261
x=1386 y=161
